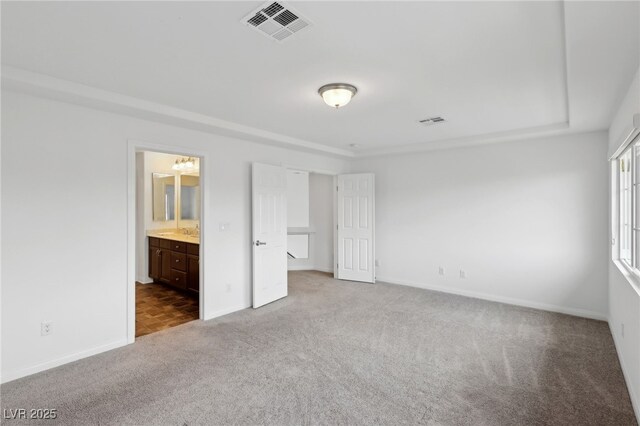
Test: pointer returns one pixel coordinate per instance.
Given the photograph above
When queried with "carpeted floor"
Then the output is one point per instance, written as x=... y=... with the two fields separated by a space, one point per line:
x=348 y=353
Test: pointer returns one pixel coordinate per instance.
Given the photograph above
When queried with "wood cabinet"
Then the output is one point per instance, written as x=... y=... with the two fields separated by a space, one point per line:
x=175 y=263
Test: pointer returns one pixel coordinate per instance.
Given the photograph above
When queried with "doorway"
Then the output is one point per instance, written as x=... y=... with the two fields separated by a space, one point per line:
x=168 y=212
x=310 y=221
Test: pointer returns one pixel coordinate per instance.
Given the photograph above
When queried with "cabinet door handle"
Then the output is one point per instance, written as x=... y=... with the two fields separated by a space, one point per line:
x=157 y=252
x=177 y=260
x=177 y=246
x=177 y=279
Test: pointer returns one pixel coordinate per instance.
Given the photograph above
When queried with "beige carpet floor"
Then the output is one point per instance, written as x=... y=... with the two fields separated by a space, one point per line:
x=348 y=353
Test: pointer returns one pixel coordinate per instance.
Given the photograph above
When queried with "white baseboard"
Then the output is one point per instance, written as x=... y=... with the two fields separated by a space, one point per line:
x=501 y=299
x=17 y=374
x=632 y=393
x=309 y=268
x=299 y=267
x=226 y=311
x=145 y=280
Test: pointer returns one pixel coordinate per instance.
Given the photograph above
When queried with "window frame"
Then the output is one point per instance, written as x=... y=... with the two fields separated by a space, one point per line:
x=625 y=207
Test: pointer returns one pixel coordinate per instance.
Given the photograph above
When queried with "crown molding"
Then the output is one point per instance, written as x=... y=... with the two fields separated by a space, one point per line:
x=475 y=140
x=63 y=90
x=24 y=81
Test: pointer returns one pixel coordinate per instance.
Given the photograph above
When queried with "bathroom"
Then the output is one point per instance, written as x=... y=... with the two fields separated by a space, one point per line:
x=168 y=212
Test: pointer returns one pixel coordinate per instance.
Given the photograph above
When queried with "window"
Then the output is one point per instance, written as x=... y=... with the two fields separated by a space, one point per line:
x=628 y=179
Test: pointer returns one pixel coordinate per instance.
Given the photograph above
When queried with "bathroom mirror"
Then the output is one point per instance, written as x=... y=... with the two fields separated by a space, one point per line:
x=189 y=197
x=164 y=196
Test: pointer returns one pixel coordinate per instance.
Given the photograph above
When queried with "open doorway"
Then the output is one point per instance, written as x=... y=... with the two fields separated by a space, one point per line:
x=310 y=221
x=168 y=222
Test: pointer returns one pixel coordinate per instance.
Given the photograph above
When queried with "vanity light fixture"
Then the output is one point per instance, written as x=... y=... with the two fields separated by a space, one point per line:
x=337 y=95
x=184 y=164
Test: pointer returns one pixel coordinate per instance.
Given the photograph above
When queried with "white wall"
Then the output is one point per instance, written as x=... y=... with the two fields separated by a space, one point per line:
x=624 y=292
x=321 y=206
x=321 y=224
x=64 y=228
x=525 y=220
x=297 y=199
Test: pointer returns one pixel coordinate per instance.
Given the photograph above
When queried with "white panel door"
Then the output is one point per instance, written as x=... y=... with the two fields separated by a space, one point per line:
x=356 y=227
x=269 y=205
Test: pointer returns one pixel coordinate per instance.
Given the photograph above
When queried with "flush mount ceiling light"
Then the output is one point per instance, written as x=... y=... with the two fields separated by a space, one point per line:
x=184 y=164
x=337 y=95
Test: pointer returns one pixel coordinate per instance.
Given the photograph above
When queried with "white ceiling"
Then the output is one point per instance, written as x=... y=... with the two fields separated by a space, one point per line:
x=488 y=68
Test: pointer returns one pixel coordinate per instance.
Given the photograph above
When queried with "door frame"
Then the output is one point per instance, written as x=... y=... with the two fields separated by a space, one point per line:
x=334 y=176
x=133 y=147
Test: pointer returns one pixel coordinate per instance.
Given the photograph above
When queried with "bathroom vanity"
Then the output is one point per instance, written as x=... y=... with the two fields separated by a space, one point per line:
x=174 y=259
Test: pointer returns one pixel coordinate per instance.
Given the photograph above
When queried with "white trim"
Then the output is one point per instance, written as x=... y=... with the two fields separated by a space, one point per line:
x=489 y=138
x=17 y=374
x=67 y=91
x=632 y=394
x=134 y=146
x=632 y=277
x=226 y=311
x=300 y=267
x=500 y=299
x=24 y=81
x=309 y=169
x=308 y=268
x=631 y=134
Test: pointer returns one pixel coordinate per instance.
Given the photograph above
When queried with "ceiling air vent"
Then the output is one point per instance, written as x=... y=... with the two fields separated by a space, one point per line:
x=276 y=21
x=432 y=120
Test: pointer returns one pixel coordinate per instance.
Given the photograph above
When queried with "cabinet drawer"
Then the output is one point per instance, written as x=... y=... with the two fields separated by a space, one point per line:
x=193 y=249
x=165 y=244
x=154 y=242
x=179 y=261
x=178 y=246
x=179 y=279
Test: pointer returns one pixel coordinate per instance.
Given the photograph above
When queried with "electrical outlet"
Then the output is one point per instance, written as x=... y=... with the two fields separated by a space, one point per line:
x=622 y=329
x=441 y=270
x=46 y=327
x=463 y=274
x=377 y=262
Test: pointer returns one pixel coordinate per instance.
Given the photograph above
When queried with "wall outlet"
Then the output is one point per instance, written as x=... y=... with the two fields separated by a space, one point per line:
x=441 y=270
x=228 y=288
x=463 y=274
x=377 y=262
x=46 y=328
x=622 y=329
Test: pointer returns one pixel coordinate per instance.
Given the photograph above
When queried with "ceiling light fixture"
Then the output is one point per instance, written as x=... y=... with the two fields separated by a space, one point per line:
x=337 y=95
x=184 y=164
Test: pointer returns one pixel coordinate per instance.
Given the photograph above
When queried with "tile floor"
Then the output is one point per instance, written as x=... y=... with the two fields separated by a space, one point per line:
x=159 y=307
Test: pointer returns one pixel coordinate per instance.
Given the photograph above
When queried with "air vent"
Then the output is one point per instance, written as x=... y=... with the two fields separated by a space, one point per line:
x=276 y=20
x=432 y=120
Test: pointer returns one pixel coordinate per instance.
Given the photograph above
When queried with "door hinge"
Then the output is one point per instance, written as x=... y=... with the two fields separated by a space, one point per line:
x=337 y=188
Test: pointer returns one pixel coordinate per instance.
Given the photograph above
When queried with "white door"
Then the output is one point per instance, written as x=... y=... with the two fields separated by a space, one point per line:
x=269 y=203
x=356 y=227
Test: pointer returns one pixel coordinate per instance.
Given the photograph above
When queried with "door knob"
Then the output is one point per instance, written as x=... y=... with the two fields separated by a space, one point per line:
x=260 y=243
